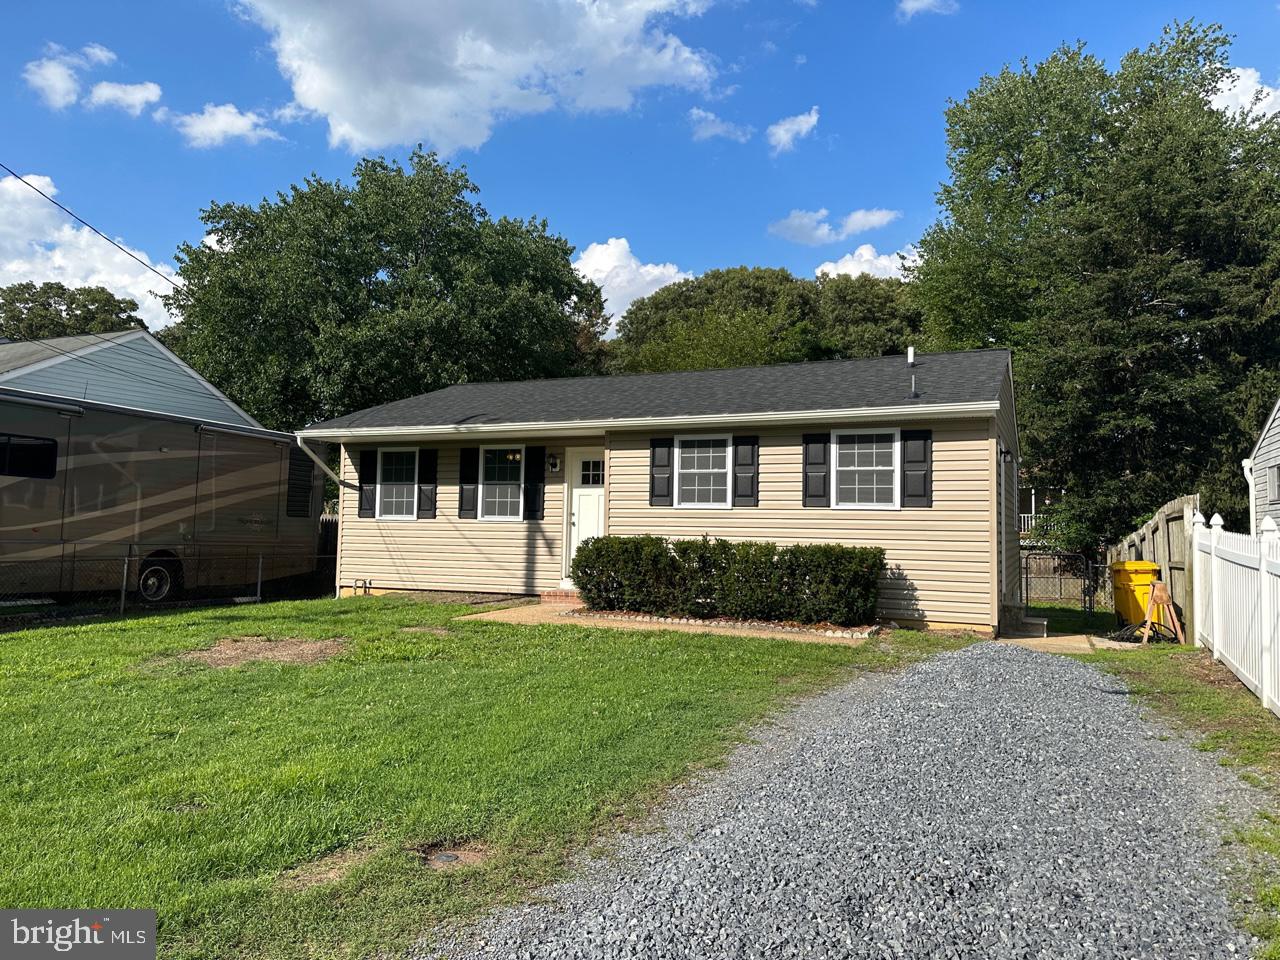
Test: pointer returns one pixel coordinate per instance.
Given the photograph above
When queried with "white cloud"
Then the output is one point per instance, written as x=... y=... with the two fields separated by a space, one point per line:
x=132 y=98
x=622 y=276
x=216 y=124
x=447 y=72
x=865 y=259
x=783 y=135
x=55 y=76
x=1241 y=87
x=707 y=125
x=39 y=243
x=812 y=228
x=909 y=8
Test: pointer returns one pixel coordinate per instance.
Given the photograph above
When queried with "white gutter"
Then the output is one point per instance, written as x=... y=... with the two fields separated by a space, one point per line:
x=1247 y=466
x=575 y=428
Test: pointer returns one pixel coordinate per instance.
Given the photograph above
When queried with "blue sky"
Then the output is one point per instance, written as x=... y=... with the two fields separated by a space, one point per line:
x=684 y=131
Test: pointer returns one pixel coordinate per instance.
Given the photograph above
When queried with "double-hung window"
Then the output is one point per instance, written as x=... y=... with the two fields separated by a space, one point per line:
x=702 y=471
x=1273 y=484
x=501 y=483
x=867 y=468
x=397 y=484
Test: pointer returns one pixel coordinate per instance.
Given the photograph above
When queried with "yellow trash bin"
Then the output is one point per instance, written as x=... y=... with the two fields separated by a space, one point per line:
x=1131 y=582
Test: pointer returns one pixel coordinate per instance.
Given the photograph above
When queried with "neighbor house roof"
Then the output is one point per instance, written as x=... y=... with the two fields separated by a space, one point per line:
x=15 y=354
x=961 y=383
x=125 y=368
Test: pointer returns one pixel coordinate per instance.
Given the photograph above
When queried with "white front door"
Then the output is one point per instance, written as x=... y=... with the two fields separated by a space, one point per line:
x=586 y=497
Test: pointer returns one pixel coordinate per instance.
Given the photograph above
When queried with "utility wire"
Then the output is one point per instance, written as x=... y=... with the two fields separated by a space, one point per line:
x=79 y=219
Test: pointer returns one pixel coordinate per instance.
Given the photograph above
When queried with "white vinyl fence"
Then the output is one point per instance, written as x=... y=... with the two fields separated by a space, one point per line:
x=1236 y=581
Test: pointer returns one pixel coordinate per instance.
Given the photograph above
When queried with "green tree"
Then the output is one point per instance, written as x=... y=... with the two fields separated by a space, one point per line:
x=1121 y=235
x=866 y=316
x=30 y=312
x=334 y=296
x=756 y=315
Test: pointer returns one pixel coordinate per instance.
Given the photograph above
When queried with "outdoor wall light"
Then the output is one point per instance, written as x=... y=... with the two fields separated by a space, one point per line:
x=553 y=463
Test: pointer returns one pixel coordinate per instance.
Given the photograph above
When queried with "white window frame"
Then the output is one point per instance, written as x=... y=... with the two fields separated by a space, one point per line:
x=480 y=514
x=833 y=459
x=377 y=503
x=1273 y=484
x=728 y=469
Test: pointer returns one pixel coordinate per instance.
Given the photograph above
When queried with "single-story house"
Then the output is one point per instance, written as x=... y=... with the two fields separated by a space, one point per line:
x=492 y=486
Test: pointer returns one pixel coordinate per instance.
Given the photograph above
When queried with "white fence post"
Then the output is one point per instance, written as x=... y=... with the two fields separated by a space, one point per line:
x=1266 y=611
x=1215 y=583
x=1199 y=579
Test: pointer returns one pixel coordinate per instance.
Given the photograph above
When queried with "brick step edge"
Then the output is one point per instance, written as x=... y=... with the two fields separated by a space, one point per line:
x=860 y=633
x=558 y=596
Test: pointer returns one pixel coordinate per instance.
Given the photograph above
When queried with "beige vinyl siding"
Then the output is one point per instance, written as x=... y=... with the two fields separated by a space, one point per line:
x=449 y=553
x=940 y=559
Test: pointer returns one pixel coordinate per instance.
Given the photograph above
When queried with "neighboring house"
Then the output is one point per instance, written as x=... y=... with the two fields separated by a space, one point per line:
x=1262 y=471
x=491 y=486
x=130 y=368
x=111 y=447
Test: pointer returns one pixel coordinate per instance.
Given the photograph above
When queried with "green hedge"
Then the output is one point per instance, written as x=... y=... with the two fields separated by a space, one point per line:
x=751 y=580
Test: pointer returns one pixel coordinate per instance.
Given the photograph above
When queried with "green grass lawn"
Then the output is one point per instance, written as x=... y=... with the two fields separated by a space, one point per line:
x=135 y=778
x=1187 y=686
x=1063 y=619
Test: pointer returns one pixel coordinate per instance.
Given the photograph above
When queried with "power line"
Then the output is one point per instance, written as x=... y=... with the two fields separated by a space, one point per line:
x=78 y=218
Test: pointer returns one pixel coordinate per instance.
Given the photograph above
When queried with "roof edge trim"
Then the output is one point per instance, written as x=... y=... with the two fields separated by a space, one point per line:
x=587 y=427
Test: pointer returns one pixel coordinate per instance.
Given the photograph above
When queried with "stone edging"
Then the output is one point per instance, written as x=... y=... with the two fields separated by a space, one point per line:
x=858 y=633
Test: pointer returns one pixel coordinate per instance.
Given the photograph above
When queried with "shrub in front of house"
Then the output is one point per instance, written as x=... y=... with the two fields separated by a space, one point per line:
x=636 y=574
x=749 y=580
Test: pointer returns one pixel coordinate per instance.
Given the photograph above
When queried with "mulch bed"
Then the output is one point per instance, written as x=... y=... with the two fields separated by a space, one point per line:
x=785 y=626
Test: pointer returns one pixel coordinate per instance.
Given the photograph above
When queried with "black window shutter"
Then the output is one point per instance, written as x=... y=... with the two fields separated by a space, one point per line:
x=746 y=471
x=660 y=452
x=299 y=487
x=367 y=478
x=428 y=459
x=535 y=482
x=917 y=468
x=817 y=469
x=468 y=482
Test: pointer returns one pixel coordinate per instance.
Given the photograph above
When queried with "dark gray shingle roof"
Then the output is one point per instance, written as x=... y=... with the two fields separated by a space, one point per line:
x=962 y=377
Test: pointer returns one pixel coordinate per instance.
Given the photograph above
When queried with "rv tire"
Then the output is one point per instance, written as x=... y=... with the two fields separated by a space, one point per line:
x=159 y=579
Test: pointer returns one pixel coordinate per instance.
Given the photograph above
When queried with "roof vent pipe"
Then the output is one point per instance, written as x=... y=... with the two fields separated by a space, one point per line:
x=913 y=395
x=911 y=356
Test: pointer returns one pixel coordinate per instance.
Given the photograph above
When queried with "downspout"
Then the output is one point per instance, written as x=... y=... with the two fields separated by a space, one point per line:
x=302 y=444
x=1247 y=466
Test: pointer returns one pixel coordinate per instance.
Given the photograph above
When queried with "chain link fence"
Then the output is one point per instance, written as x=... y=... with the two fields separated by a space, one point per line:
x=75 y=586
x=1066 y=580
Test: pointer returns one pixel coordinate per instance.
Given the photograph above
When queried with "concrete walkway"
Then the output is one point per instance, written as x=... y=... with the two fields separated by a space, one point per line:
x=1066 y=643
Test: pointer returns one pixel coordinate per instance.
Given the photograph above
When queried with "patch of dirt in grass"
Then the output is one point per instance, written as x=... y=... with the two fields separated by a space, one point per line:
x=233 y=651
x=434 y=631
x=1202 y=667
x=330 y=868
x=443 y=856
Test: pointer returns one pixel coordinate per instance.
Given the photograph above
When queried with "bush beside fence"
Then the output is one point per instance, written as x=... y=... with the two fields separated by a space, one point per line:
x=749 y=580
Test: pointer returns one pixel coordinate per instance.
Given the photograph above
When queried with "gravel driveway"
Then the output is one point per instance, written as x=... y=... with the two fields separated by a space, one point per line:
x=990 y=803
